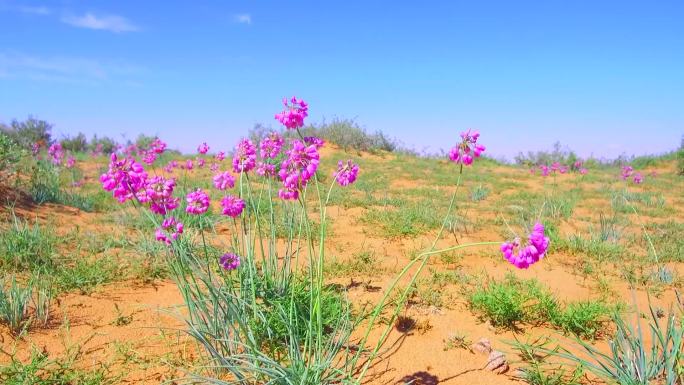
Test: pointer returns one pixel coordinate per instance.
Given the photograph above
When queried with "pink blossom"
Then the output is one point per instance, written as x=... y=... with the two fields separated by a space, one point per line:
x=214 y=167
x=544 y=170
x=524 y=257
x=638 y=178
x=583 y=171
x=265 y=169
x=318 y=142
x=157 y=146
x=293 y=115
x=56 y=152
x=232 y=206
x=198 y=202
x=124 y=178
x=468 y=149
x=271 y=145
x=169 y=231
x=346 y=173
x=35 y=149
x=224 y=180
x=200 y=162
x=71 y=162
x=203 y=148
x=244 y=159
x=229 y=261
x=296 y=170
x=149 y=158
x=626 y=172
x=189 y=165
x=220 y=156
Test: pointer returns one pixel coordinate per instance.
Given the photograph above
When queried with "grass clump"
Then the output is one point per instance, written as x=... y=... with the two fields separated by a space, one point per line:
x=512 y=302
x=26 y=247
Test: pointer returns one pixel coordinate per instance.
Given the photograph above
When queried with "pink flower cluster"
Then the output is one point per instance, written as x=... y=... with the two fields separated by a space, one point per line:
x=271 y=145
x=232 y=206
x=244 y=159
x=70 y=162
x=297 y=169
x=124 y=178
x=524 y=257
x=293 y=115
x=169 y=231
x=220 y=156
x=198 y=202
x=346 y=173
x=628 y=171
x=229 y=261
x=224 y=181
x=468 y=149
x=56 y=153
x=158 y=192
x=203 y=148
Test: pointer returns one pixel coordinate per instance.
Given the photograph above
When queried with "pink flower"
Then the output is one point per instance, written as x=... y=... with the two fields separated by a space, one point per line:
x=626 y=172
x=265 y=169
x=578 y=165
x=583 y=171
x=524 y=257
x=224 y=181
x=544 y=170
x=157 y=146
x=293 y=115
x=203 y=148
x=638 y=178
x=214 y=167
x=189 y=165
x=200 y=162
x=35 y=149
x=71 y=162
x=198 y=202
x=229 y=261
x=169 y=231
x=56 y=152
x=149 y=157
x=124 y=178
x=271 y=145
x=296 y=170
x=468 y=149
x=159 y=193
x=244 y=159
x=220 y=156
x=318 y=142
x=346 y=173
x=232 y=206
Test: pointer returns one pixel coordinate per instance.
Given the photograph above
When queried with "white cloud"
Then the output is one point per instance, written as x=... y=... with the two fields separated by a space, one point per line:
x=112 y=23
x=243 y=18
x=35 y=10
x=65 y=69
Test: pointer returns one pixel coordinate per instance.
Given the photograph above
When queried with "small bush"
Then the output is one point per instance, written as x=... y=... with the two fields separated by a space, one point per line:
x=10 y=154
x=29 y=132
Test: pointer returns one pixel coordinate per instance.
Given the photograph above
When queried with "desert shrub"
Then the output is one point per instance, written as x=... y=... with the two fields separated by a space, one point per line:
x=347 y=134
x=29 y=132
x=560 y=154
x=104 y=144
x=680 y=158
x=78 y=143
x=10 y=154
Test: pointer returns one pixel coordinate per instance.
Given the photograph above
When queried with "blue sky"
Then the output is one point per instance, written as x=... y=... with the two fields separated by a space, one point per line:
x=603 y=77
